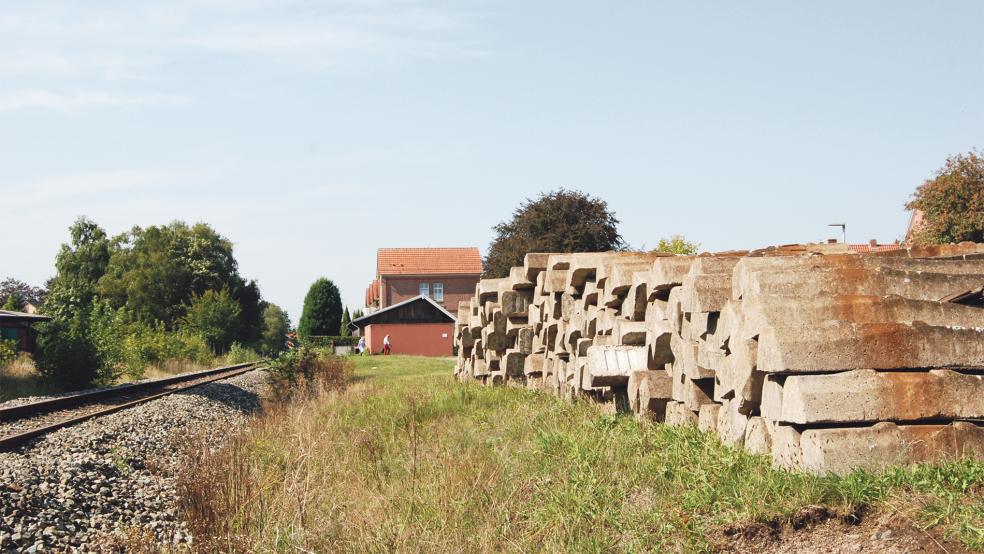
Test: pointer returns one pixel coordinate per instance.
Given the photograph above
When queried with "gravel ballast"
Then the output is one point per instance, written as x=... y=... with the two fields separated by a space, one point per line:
x=115 y=474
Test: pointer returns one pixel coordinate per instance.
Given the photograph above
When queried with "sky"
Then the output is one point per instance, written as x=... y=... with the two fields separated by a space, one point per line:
x=310 y=133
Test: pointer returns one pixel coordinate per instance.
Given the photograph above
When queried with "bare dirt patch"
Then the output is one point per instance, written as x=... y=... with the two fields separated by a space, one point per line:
x=817 y=529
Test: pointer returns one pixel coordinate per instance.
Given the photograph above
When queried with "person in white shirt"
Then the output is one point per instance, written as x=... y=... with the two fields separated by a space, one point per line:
x=386 y=345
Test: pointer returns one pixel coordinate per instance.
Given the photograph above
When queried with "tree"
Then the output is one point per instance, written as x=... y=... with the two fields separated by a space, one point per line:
x=677 y=244
x=952 y=202
x=322 y=312
x=14 y=303
x=154 y=273
x=214 y=316
x=357 y=314
x=558 y=221
x=276 y=325
x=79 y=264
x=343 y=330
x=22 y=292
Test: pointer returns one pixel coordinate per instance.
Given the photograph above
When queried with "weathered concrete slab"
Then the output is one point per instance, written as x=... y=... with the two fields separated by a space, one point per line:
x=869 y=396
x=731 y=423
x=886 y=444
x=654 y=394
x=705 y=292
x=698 y=392
x=677 y=415
x=915 y=285
x=611 y=365
x=512 y=363
x=534 y=365
x=658 y=343
x=534 y=263
x=707 y=418
x=762 y=312
x=629 y=333
x=837 y=346
x=758 y=435
x=669 y=272
x=488 y=289
x=515 y=303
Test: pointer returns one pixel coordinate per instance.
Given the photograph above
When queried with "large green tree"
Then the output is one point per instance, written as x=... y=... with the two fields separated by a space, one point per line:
x=79 y=264
x=952 y=202
x=155 y=272
x=322 y=312
x=67 y=353
x=276 y=325
x=558 y=221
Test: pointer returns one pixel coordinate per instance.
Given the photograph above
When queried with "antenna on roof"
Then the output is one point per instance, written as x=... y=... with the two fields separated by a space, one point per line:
x=843 y=227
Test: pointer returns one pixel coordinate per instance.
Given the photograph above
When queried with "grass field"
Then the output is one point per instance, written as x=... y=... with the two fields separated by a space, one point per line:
x=406 y=459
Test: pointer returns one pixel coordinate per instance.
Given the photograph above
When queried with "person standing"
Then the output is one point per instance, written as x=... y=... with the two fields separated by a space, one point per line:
x=361 y=347
x=386 y=345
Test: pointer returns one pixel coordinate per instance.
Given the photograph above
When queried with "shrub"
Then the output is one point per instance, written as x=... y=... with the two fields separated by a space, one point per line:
x=239 y=354
x=69 y=359
x=8 y=351
x=215 y=317
x=308 y=370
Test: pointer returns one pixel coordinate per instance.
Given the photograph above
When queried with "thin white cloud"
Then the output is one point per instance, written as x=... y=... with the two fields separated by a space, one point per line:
x=67 y=187
x=74 y=100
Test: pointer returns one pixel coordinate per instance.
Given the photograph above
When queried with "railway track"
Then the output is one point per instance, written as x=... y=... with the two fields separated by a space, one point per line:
x=21 y=424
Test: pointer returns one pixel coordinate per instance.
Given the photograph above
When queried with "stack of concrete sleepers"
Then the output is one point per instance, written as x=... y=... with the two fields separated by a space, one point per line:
x=813 y=359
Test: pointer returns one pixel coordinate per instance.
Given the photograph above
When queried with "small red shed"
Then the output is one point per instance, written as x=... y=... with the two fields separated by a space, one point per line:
x=418 y=326
x=16 y=326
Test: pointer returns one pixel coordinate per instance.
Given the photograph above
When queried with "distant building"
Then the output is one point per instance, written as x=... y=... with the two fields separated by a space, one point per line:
x=17 y=326
x=413 y=297
x=445 y=275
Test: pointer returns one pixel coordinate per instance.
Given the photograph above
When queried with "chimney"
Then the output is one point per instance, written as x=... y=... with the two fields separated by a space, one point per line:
x=873 y=242
x=831 y=241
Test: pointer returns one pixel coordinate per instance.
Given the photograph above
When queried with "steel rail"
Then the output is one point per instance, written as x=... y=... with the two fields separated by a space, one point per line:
x=10 y=442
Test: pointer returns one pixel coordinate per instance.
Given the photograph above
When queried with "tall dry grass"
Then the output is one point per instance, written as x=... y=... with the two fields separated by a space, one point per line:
x=19 y=377
x=406 y=460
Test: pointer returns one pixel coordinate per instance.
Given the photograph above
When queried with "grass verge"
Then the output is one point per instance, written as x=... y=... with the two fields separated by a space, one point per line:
x=405 y=459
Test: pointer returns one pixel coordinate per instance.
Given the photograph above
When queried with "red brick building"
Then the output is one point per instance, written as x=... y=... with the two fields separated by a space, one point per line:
x=445 y=275
x=413 y=297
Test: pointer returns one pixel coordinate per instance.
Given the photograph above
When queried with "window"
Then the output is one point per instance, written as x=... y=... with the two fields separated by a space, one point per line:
x=424 y=290
x=9 y=333
x=439 y=292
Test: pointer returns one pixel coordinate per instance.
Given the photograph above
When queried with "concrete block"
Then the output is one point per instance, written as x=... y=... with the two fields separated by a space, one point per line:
x=611 y=365
x=677 y=415
x=837 y=346
x=697 y=392
x=884 y=444
x=869 y=396
x=758 y=435
x=731 y=423
x=513 y=363
x=534 y=365
x=707 y=418
x=629 y=333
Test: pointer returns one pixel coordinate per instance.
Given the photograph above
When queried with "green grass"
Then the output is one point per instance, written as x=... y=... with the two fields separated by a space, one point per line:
x=407 y=459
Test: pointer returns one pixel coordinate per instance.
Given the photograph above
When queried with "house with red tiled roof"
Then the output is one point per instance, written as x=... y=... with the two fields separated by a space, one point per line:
x=441 y=277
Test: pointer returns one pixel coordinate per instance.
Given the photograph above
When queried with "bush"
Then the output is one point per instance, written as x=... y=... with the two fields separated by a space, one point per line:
x=239 y=354
x=328 y=342
x=322 y=312
x=308 y=370
x=8 y=351
x=69 y=359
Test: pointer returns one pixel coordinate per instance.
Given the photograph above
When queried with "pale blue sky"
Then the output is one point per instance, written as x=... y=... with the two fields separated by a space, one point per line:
x=312 y=132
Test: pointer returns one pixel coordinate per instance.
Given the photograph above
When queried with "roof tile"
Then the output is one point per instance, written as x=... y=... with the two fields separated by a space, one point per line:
x=428 y=261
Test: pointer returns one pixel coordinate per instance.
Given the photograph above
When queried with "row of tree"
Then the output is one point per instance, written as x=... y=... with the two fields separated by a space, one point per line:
x=117 y=302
